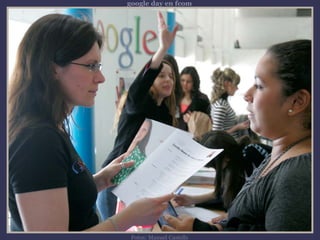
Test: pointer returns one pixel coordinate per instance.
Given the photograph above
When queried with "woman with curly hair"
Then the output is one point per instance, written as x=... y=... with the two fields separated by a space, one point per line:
x=225 y=84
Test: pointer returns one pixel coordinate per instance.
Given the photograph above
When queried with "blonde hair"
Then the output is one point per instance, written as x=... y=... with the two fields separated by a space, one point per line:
x=218 y=78
x=199 y=123
x=119 y=107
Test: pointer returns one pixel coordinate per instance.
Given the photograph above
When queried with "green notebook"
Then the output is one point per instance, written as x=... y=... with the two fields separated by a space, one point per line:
x=137 y=156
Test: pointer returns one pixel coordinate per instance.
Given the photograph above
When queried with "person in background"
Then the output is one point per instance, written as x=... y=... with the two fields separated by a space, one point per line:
x=225 y=84
x=229 y=173
x=151 y=95
x=192 y=98
x=199 y=123
x=253 y=151
x=278 y=195
x=50 y=189
x=232 y=167
x=136 y=151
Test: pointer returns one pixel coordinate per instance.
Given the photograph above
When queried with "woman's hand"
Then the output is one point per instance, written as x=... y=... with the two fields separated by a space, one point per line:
x=181 y=223
x=165 y=36
x=243 y=125
x=104 y=176
x=186 y=117
x=145 y=211
x=239 y=126
x=183 y=200
x=165 y=40
x=219 y=218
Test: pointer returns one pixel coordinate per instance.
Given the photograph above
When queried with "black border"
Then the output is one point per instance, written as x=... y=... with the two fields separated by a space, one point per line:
x=167 y=236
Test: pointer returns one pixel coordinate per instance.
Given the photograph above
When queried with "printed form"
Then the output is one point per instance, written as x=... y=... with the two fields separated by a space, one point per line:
x=173 y=161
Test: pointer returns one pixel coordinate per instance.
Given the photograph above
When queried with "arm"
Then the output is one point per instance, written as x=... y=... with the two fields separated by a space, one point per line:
x=141 y=212
x=185 y=200
x=239 y=126
x=165 y=40
x=218 y=115
x=45 y=210
x=103 y=178
x=48 y=210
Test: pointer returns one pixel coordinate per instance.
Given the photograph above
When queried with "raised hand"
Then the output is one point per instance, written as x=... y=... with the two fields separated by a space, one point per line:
x=165 y=36
x=165 y=40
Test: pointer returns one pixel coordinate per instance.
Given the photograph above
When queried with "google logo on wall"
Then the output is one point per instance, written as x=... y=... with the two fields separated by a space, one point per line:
x=124 y=37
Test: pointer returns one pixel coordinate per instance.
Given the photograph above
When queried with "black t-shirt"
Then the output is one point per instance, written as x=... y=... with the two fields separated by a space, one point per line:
x=43 y=158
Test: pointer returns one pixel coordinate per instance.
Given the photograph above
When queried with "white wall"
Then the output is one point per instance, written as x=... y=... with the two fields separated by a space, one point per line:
x=274 y=30
x=19 y=20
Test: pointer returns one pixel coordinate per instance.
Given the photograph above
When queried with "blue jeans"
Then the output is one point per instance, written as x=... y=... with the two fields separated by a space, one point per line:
x=106 y=203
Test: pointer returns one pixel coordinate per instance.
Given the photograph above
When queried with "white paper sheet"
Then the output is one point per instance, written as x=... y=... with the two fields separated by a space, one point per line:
x=174 y=160
x=201 y=213
x=194 y=191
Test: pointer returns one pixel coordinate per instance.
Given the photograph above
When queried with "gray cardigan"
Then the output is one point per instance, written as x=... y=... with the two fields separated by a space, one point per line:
x=280 y=201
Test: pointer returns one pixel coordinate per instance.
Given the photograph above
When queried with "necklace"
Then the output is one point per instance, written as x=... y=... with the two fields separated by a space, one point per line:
x=268 y=167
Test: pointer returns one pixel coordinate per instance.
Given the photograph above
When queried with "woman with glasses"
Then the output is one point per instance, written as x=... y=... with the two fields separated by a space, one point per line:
x=50 y=189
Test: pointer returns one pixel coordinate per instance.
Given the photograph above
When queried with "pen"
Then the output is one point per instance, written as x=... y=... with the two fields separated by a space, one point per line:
x=178 y=192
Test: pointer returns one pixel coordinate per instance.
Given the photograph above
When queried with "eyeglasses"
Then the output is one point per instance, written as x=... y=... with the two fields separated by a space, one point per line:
x=94 y=67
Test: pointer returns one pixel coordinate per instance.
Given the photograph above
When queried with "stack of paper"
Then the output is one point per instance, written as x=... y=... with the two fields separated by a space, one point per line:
x=203 y=176
x=197 y=212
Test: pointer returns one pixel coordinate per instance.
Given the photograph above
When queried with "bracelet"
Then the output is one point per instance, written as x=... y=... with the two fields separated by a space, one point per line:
x=114 y=224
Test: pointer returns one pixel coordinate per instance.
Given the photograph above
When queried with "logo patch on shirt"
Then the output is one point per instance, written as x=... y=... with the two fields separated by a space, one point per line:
x=78 y=167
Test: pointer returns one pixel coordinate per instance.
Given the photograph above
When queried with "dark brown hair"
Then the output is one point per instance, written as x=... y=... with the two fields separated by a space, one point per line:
x=228 y=180
x=34 y=93
x=294 y=68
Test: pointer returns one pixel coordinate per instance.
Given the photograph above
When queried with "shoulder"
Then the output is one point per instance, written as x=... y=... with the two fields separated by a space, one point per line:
x=46 y=134
x=295 y=172
x=42 y=153
x=220 y=105
x=39 y=133
x=42 y=140
x=299 y=163
x=202 y=96
x=291 y=195
x=221 y=102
